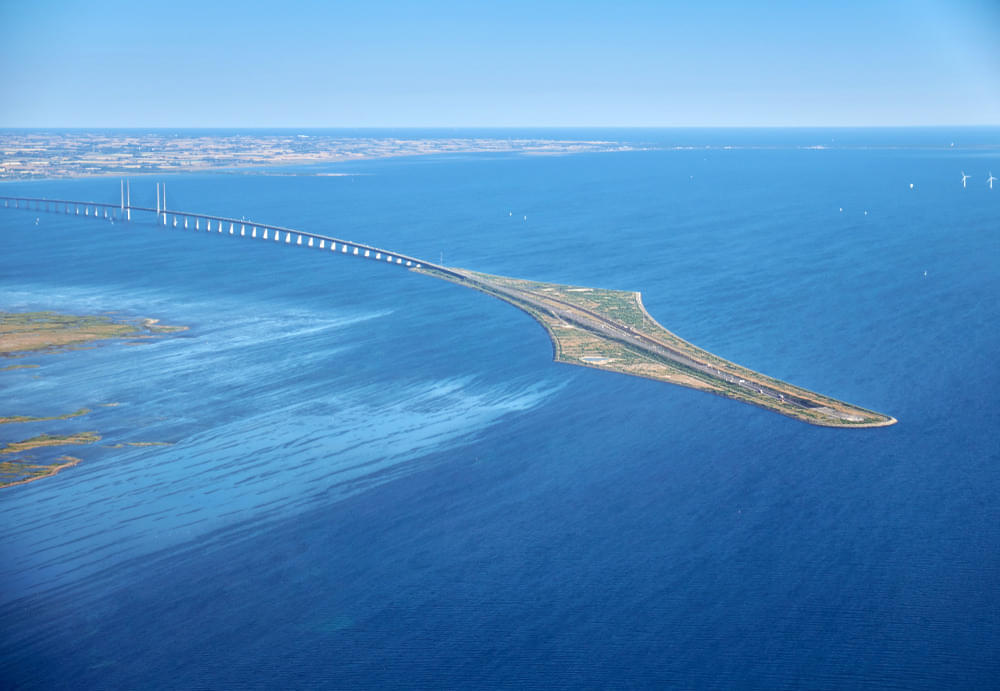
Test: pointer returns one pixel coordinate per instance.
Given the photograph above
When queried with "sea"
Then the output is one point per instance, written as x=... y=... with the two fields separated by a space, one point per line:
x=375 y=479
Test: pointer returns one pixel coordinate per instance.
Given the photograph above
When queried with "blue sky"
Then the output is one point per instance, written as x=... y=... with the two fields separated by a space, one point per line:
x=385 y=64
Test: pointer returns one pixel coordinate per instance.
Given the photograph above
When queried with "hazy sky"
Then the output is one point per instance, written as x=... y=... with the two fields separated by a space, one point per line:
x=243 y=64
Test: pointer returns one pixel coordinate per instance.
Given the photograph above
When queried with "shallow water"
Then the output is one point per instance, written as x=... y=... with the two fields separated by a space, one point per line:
x=379 y=479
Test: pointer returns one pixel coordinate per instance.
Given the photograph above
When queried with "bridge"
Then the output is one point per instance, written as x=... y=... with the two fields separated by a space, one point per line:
x=588 y=327
x=185 y=220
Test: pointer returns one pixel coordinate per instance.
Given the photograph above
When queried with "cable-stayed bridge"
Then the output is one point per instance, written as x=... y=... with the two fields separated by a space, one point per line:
x=187 y=220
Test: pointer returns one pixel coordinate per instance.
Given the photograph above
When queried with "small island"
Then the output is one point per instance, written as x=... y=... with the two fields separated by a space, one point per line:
x=19 y=473
x=611 y=330
x=24 y=334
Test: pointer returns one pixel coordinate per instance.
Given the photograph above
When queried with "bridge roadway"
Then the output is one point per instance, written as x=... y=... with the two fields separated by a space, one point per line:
x=625 y=334
x=237 y=226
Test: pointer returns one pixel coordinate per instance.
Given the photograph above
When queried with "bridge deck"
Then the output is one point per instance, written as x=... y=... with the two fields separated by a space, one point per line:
x=235 y=222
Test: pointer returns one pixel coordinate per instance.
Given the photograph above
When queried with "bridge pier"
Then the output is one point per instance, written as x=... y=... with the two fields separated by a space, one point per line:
x=110 y=212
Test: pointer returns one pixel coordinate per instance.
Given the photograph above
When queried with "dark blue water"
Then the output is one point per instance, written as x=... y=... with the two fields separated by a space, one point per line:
x=381 y=480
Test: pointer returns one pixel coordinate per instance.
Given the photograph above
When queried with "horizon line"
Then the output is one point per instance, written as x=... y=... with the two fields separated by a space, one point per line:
x=497 y=127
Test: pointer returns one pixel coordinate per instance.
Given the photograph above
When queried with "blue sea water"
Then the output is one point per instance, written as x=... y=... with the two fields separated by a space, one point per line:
x=377 y=479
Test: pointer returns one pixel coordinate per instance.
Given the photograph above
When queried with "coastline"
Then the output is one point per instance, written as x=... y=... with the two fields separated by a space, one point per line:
x=35 y=156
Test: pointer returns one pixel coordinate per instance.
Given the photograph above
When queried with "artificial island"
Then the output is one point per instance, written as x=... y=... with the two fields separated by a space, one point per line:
x=611 y=330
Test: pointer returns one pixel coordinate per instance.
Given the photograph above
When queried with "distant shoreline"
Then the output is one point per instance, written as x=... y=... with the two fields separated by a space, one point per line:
x=32 y=155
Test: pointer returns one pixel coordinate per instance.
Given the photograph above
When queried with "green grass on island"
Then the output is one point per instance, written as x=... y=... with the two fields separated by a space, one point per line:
x=611 y=330
x=26 y=418
x=44 y=440
x=21 y=473
x=22 y=332
x=22 y=470
x=50 y=332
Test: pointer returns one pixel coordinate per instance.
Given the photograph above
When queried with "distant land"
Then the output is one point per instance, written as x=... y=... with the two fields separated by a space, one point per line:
x=26 y=155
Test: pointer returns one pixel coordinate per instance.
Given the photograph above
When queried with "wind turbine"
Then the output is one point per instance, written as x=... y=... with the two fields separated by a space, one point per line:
x=964 y=178
x=990 y=179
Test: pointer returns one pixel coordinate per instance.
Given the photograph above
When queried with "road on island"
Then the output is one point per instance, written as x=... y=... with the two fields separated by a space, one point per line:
x=625 y=334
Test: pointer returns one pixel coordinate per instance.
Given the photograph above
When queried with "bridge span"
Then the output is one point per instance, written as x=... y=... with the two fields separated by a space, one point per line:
x=241 y=227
